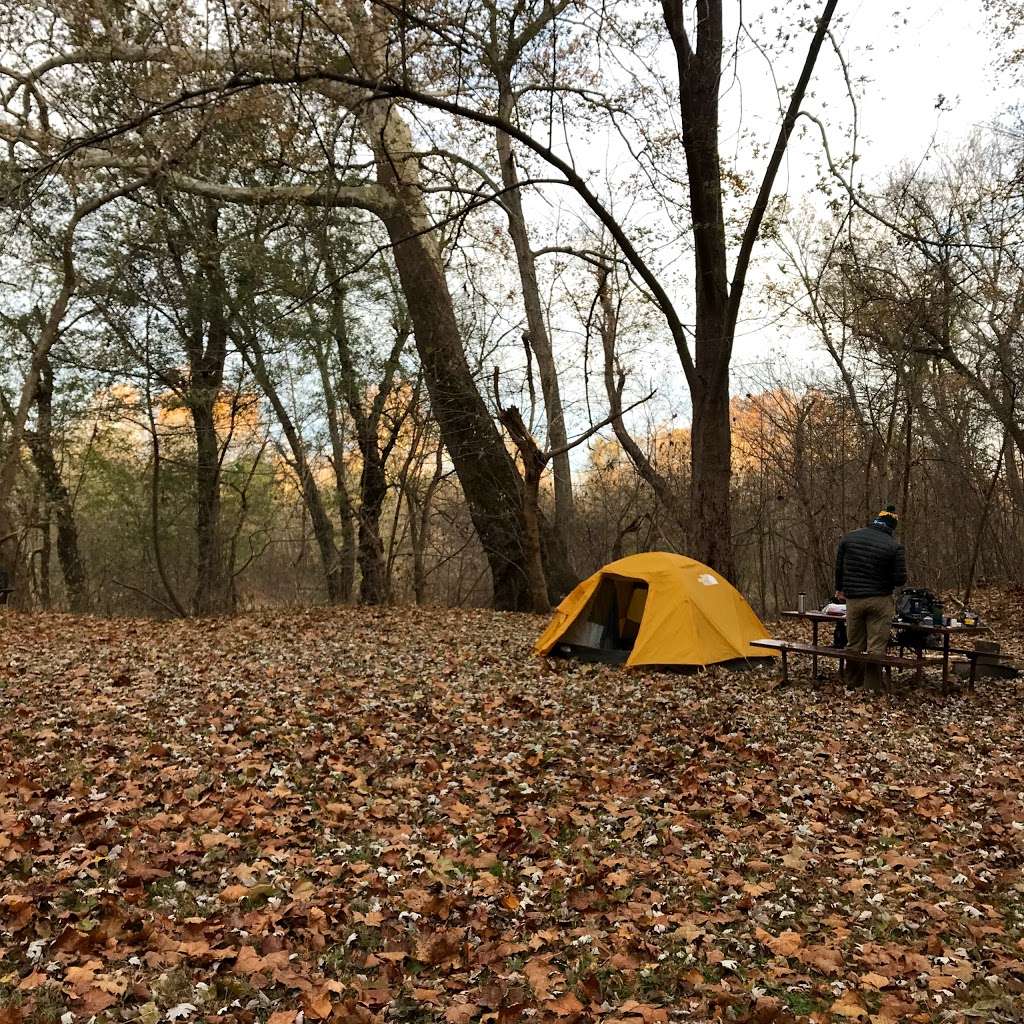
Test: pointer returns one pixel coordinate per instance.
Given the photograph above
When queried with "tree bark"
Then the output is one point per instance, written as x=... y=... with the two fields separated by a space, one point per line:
x=1014 y=484
x=534 y=461
x=485 y=470
x=561 y=572
x=40 y=442
x=711 y=477
x=346 y=514
x=323 y=528
x=45 y=563
x=210 y=592
x=373 y=489
x=206 y=347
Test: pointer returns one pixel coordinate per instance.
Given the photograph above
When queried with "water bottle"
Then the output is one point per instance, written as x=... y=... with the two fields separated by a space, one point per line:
x=800 y=602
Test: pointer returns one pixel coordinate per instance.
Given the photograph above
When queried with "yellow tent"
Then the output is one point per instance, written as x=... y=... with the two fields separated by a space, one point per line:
x=655 y=609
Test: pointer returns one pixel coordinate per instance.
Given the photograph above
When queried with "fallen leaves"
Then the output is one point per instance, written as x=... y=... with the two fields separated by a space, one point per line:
x=875 y=981
x=784 y=945
x=848 y=1008
x=389 y=815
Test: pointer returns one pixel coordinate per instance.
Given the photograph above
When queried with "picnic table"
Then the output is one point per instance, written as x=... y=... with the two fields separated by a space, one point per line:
x=816 y=618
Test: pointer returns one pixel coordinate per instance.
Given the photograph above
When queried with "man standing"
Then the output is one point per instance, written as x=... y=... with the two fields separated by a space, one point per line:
x=870 y=565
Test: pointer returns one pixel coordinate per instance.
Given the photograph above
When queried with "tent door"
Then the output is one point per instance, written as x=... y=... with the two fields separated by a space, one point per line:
x=607 y=628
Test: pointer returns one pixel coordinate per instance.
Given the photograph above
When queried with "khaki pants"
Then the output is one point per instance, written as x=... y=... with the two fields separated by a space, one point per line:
x=868 y=622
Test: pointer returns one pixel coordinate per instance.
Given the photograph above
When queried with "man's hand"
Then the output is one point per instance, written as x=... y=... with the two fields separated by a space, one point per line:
x=840 y=597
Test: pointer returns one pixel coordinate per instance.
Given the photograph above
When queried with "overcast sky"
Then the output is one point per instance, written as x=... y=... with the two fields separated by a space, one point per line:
x=944 y=49
x=905 y=57
x=912 y=54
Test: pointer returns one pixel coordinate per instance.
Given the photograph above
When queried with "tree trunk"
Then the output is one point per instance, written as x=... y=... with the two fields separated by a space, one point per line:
x=206 y=343
x=556 y=555
x=711 y=437
x=9 y=468
x=45 y=561
x=47 y=337
x=40 y=444
x=373 y=448
x=531 y=524
x=373 y=489
x=561 y=572
x=323 y=529
x=534 y=462
x=418 y=542
x=419 y=526
x=346 y=514
x=485 y=470
x=210 y=593
x=710 y=461
x=154 y=501
x=1014 y=484
x=717 y=299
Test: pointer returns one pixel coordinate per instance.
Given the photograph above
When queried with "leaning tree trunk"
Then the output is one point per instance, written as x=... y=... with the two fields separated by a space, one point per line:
x=489 y=479
x=40 y=443
x=486 y=472
x=323 y=529
x=559 y=568
x=482 y=464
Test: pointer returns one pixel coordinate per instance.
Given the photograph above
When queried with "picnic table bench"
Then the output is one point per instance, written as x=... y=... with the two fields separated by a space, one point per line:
x=888 y=661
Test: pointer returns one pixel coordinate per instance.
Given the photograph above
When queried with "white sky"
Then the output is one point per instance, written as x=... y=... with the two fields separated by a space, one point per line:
x=903 y=57
x=911 y=55
x=944 y=49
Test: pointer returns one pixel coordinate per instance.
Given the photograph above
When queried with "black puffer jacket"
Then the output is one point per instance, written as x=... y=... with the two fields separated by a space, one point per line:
x=870 y=563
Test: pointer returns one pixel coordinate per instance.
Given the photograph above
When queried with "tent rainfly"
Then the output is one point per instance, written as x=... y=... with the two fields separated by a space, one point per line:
x=654 y=609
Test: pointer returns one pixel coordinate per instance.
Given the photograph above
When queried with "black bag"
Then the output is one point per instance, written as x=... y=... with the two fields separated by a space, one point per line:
x=839 y=634
x=916 y=605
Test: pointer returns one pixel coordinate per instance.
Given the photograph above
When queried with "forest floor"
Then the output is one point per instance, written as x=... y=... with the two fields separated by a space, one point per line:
x=403 y=815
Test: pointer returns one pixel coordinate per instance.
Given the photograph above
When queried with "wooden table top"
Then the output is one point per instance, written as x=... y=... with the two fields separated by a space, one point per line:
x=818 y=616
